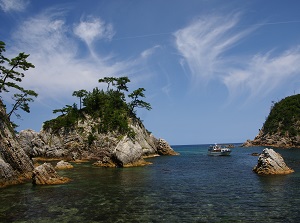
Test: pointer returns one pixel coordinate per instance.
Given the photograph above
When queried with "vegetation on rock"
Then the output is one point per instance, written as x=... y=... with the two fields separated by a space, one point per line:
x=284 y=117
x=282 y=126
x=108 y=107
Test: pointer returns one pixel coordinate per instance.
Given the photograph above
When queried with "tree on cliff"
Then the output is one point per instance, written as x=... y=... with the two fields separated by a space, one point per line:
x=108 y=106
x=21 y=101
x=80 y=94
x=10 y=76
x=136 y=102
x=108 y=80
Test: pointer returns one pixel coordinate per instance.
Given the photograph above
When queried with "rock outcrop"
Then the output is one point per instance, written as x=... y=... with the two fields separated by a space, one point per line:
x=109 y=150
x=15 y=165
x=273 y=140
x=270 y=162
x=61 y=165
x=46 y=174
x=164 y=148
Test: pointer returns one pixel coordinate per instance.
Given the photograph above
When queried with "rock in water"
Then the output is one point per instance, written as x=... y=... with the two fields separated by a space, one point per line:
x=164 y=148
x=46 y=174
x=270 y=162
x=61 y=165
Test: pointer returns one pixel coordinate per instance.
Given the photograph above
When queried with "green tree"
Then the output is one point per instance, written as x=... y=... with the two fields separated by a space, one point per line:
x=12 y=72
x=65 y=109
x=122 y=83
x=108 y=80
x=11 y=75
x=136 y=102
x=21 y=101
x=80 y=94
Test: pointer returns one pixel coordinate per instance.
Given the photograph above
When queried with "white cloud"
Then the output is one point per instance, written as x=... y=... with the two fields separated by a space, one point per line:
x=92 y=29
x=59 y=68
x=264 y=73
x=13 y=5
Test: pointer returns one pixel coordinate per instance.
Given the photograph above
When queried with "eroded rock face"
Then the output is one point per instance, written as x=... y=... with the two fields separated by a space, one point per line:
x=15 y=165
x=164 y=148
x=270 y=162
x=274 y=140
x=109 y=149
x=46 y=174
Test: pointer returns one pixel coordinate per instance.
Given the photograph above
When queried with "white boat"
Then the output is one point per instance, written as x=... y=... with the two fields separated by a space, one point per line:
x=217 y=150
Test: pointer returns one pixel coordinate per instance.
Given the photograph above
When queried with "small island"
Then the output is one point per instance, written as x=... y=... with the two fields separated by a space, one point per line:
x=282 y=126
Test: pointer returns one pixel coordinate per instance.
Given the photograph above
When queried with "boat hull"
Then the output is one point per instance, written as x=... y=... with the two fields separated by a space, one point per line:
x=223 y=153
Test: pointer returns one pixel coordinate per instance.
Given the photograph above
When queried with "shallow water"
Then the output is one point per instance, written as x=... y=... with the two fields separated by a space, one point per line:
x=192 y=187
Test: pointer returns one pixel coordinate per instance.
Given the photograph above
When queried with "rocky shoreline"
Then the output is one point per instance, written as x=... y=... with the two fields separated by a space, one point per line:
x=273 y=140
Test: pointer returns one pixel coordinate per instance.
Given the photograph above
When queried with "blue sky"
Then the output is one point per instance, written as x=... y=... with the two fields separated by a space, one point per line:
x=211 y=68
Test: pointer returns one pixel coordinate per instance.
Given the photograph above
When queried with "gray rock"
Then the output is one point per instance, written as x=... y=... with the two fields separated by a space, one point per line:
x=270 y=162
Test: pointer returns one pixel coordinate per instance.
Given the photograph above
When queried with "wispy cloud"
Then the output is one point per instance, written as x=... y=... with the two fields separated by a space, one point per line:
x=13 y=5
x=204 y=47
x=148 y=52
x=264 y=73
x=203 y=43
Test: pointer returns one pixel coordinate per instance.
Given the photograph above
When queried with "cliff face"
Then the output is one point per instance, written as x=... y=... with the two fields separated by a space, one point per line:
x=15 y=165
x=282 y=126
x=274 y=140
x=83 y=143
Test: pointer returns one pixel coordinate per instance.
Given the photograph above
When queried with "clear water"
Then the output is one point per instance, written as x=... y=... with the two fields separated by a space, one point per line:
x=192 y=187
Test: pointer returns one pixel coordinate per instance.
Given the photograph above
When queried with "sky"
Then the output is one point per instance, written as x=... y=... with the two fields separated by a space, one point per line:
x=211 y=68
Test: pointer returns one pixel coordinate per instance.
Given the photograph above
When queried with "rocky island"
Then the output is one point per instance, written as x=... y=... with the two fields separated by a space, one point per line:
x=105 y=130
x=282 y=126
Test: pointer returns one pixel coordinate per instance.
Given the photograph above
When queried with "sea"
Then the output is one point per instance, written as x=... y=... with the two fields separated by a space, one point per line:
x=191 y=187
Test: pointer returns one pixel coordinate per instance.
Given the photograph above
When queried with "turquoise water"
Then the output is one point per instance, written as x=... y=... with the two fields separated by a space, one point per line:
x=192 y=187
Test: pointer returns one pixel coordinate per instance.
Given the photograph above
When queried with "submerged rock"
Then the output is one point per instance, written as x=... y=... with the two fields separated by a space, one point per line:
x=270 y=162
x=46 y=174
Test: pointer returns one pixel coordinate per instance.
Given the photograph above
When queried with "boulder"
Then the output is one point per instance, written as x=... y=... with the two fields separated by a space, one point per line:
x=61 y=165
x=127 y=152
x=270 y=162
x=163 y=148
x=46 y=174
